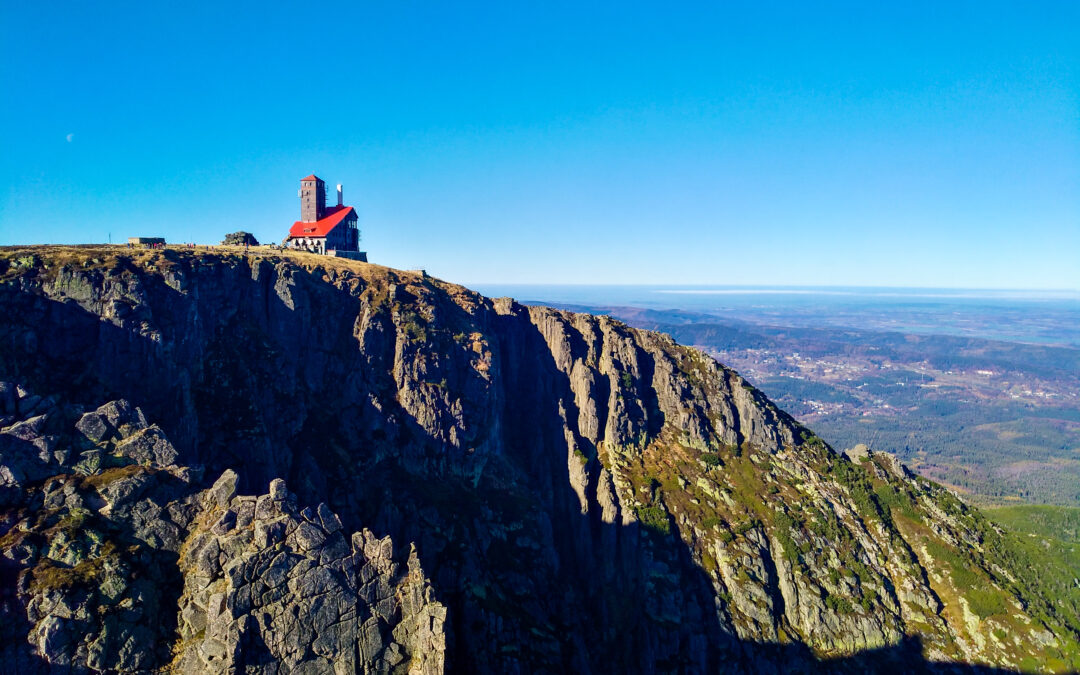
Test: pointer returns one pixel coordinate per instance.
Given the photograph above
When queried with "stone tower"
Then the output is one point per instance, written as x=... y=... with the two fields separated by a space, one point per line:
x=312 y=199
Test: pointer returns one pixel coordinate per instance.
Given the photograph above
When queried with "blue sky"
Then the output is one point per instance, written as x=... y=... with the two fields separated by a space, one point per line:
x=925 y=144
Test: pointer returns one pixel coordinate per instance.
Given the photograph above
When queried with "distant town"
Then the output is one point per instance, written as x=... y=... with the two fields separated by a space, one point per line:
x=851 y=375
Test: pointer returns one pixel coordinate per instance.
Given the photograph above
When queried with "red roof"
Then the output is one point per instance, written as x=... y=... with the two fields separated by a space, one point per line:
x=313 y=177
x=321 y=228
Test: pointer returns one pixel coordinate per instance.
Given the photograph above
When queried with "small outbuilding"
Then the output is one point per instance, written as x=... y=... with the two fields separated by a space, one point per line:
x=146 y=241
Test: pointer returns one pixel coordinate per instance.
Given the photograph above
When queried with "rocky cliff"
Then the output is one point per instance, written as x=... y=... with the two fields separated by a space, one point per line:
x=212 y=462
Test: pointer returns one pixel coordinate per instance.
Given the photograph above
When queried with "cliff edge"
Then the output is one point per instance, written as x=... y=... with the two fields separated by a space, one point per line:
x=221 y=461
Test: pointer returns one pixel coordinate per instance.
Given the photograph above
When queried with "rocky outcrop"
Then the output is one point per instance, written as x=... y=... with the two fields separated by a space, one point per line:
x=562 y=492
x=271 y=586
x=240 y=238
x=96 y=512
x=120 y=563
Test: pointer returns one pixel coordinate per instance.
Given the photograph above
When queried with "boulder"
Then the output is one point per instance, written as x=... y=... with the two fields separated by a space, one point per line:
x=240 y=239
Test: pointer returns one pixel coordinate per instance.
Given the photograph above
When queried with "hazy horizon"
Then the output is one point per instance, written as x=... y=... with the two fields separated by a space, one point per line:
x=836 y=289
x=1033 y=317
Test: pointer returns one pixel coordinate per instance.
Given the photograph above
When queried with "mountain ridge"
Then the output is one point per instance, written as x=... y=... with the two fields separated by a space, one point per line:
x=574 y=494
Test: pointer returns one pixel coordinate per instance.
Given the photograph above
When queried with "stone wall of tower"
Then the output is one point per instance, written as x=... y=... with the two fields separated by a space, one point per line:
x=312 y=200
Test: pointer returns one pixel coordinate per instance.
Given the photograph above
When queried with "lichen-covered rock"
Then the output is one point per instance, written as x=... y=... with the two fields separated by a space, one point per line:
x=269 y=586
x=92 y=555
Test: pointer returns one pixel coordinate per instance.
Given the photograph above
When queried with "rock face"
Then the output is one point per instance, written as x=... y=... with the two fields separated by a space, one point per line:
x=273 y=586
x=90 y=537
x=118 y=538
x=472 y=485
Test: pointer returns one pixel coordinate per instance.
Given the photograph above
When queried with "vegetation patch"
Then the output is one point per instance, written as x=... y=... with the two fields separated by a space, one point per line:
x=784 y=525
x=894 y=500
x=857 y=481
x=839 y=604
x=711 y=459
x=654 y=519
x=111 y=475
x=49 y=575
x=985 y=602
x=983 y=599
x=414 y=326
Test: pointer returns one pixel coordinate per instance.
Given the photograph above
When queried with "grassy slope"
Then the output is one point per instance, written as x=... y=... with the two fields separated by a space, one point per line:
x=1061 y=523
x=1047 y=539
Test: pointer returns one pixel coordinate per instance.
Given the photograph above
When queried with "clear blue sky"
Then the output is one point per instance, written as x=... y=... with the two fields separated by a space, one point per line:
x=909 y=144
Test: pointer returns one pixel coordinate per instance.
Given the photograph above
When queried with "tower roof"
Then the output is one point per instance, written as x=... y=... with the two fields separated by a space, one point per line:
x=313 y=177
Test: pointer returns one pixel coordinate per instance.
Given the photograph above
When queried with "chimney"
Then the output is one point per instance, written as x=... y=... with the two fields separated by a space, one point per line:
x=339 y=194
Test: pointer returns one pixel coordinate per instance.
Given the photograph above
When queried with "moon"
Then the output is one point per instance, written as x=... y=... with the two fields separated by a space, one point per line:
x=69 y=137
